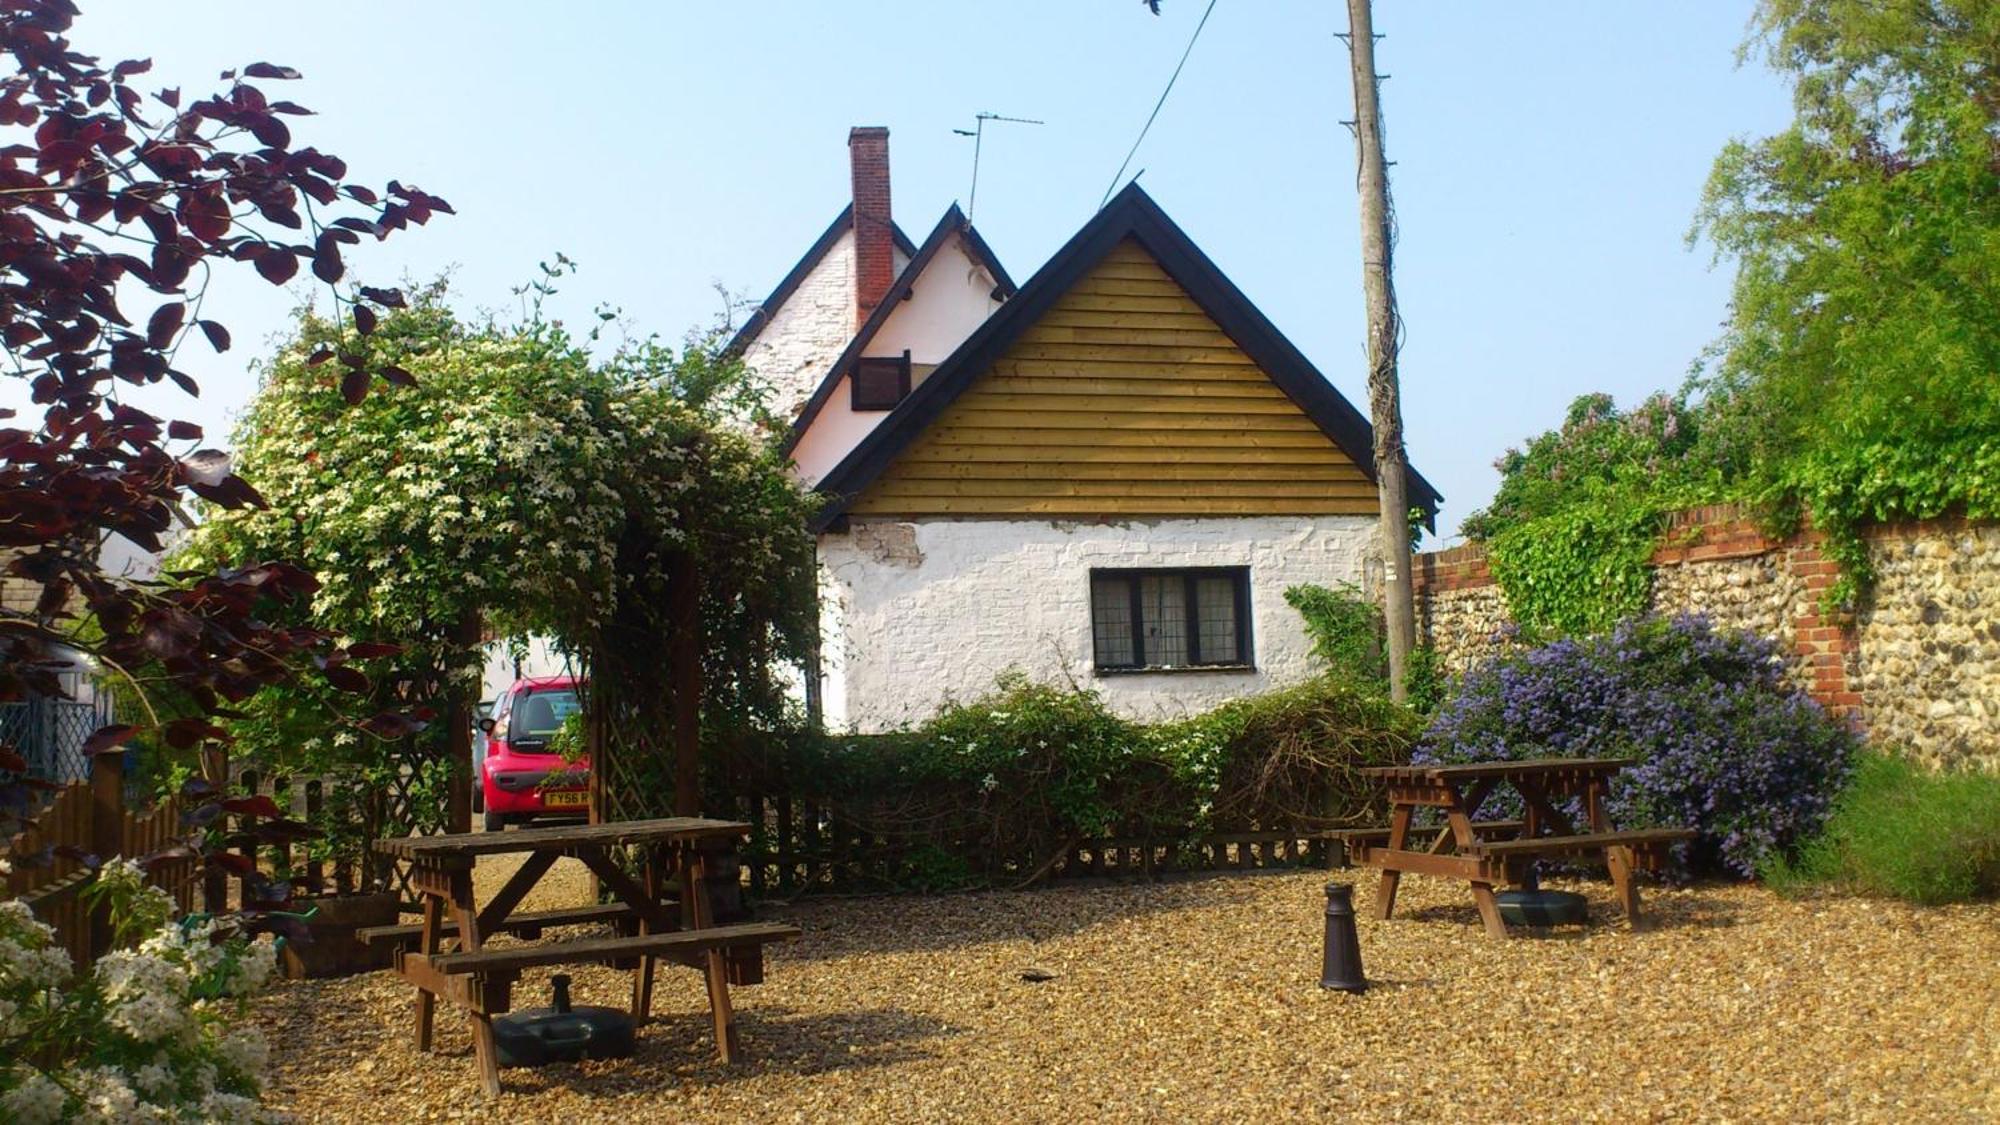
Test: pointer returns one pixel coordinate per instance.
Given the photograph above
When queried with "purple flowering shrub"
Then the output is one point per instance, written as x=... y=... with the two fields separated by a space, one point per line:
x=1722 y=742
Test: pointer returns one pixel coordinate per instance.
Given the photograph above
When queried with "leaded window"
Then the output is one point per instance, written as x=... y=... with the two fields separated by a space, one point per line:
x=1167 y=619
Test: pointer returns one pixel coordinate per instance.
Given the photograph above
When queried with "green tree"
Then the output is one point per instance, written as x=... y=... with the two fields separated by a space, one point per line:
x=1862 y=358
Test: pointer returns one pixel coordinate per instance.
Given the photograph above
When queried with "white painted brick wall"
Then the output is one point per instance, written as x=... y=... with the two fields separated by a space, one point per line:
x=807 y=334
x=916 y=614
x=811 y=329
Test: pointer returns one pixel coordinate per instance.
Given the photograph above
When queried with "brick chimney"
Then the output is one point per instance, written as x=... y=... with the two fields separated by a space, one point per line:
x=874 y=245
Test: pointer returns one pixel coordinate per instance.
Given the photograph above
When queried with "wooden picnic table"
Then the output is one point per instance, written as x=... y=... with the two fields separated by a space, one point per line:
x=1484 y=853
x=447 y=955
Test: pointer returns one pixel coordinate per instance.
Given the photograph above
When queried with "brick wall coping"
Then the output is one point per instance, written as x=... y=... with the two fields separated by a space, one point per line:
x=1706 y=534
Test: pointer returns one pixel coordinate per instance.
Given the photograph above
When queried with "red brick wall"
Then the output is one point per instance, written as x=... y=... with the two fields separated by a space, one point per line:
x=874 y=240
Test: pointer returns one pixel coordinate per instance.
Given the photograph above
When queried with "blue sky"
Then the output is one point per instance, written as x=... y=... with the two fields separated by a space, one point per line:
x=1549 y=157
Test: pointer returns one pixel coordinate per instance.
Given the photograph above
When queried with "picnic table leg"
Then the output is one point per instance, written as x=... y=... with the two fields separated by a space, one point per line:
x=466 y=914
x=1593 y=805
x=1489 y=909
x=695 y=863
x=642 y=977
x=427 y=944
x=1624 y=884
x=1399 y=834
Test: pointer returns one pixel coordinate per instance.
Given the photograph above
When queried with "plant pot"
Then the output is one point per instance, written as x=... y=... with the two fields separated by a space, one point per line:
x=333 y=950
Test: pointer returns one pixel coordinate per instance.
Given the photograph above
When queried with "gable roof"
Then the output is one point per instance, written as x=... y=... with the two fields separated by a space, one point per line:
x=1131 y=214
x=954 y=222
x=840 y=225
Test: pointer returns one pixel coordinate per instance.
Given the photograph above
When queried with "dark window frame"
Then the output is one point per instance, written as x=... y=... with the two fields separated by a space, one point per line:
x=1244 y=659
x=902 y=372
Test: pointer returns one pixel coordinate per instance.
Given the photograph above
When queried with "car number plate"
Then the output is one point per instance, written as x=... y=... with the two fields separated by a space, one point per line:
x=567 y=799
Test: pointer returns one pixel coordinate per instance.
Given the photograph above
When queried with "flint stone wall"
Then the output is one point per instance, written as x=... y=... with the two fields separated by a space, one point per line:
x=1918 y=667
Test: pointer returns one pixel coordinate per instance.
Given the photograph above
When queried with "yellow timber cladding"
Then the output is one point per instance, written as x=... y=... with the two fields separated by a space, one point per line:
x=1125 y=399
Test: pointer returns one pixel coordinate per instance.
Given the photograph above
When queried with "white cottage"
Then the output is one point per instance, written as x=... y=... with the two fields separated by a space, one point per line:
x=1108 y=477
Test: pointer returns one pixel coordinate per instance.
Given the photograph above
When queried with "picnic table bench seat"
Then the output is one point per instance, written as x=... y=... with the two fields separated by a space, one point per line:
x=592 y=950
x=529 y=925
x=1646 y=840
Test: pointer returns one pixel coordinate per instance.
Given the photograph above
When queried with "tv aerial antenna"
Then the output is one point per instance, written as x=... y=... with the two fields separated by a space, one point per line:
x=978 y=135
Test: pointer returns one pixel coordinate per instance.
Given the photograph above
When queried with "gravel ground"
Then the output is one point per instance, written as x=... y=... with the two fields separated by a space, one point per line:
x=1197 y=1000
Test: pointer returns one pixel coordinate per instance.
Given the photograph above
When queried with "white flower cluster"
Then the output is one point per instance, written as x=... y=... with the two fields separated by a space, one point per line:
x=82 y=1036
x=29 y=958
x=36 y=1101
x=146 y=995
x=244 y=1049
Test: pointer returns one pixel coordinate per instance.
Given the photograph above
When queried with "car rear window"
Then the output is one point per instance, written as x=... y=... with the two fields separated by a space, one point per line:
x=539 y=714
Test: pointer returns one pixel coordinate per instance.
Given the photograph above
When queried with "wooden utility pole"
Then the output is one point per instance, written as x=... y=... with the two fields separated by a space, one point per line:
x=1384 y=394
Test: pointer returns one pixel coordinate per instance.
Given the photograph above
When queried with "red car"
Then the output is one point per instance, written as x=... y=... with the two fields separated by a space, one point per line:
x=519 y=779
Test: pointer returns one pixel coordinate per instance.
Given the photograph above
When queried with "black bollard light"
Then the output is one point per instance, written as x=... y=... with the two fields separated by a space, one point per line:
x=1341 y=966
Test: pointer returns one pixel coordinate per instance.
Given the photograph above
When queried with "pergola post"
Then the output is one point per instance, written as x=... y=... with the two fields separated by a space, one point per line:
x=684 y=661
x=458 y=735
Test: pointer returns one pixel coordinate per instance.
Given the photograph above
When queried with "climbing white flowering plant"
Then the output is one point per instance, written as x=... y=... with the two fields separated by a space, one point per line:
x=516 y=485
x=149 y=1033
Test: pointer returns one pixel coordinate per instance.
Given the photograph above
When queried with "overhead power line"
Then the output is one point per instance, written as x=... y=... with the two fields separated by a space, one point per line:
x=1127 y=162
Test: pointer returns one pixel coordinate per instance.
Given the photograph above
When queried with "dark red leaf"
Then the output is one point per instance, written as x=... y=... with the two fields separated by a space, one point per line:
x=271 y=131
x=392 y=726
x=387 y=298
x=354 y=385
x=165 y=324
x=218 y=336
x=319 y=356
x=182 y=734
x=233 y=863
x=283 y=830
x=172 y=853
x=206 y=214
x=277 y=264
x=258 y=805
x=364 y=320
x=178 y=430
x=398 y=375
x=372 y=650
x=185 y=383
x=326 y=262
x=106 y=738
x=347 y=679
x=269 y=70
x=12 y=762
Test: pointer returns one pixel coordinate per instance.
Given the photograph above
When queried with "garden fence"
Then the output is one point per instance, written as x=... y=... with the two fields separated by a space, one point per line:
x=798 y=844
x=99 y=818
x=85 y=820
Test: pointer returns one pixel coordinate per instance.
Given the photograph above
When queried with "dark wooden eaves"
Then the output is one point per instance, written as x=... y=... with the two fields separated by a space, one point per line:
x=799 y=272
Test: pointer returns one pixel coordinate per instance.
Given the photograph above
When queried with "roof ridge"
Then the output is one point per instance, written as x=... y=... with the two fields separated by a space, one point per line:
x=953 y=221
